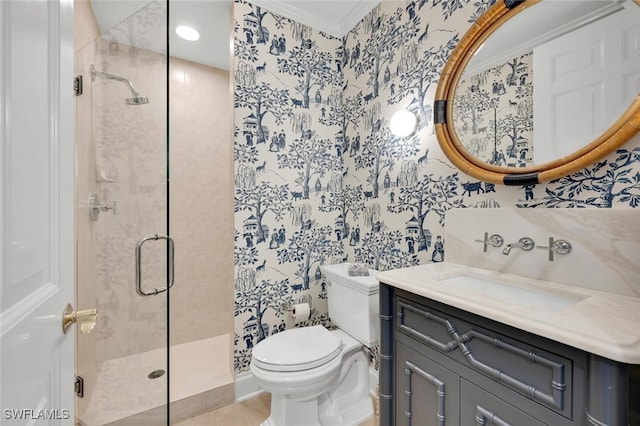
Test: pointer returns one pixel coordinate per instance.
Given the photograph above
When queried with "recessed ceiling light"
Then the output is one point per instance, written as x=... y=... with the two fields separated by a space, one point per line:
x=187 y=33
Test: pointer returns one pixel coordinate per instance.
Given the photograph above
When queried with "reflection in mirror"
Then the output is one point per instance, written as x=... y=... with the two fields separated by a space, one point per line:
x=548 y=81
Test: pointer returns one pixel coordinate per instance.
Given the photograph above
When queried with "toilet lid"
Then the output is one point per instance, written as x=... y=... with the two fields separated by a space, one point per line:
x=297 y=349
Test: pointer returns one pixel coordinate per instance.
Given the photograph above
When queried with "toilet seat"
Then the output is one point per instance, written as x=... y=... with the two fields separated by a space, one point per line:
x=297 y=349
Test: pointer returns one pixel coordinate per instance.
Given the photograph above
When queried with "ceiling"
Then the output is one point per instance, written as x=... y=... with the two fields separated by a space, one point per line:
x=141 y=23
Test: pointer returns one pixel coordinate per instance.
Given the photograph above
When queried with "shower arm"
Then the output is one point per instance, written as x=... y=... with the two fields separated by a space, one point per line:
x=108 y=76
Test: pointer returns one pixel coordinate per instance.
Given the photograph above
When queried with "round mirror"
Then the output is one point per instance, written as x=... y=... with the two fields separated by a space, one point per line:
x=538 y=89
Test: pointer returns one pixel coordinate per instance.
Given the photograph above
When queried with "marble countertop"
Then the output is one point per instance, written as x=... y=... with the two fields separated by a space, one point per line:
x=606 y=324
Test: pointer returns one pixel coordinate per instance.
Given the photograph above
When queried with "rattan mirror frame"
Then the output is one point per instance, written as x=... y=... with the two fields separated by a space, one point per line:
x=624 y=128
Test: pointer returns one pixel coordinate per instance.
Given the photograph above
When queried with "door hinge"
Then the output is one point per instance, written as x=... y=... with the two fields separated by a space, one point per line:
x=78 y=387
x=77 y=85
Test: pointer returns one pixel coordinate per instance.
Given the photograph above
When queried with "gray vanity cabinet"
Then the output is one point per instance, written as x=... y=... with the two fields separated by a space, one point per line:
x=443 y=366
x=428 y=391
x=478 y=406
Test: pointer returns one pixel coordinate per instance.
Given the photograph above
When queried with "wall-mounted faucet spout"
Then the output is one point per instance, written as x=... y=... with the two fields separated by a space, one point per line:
x=524 y=243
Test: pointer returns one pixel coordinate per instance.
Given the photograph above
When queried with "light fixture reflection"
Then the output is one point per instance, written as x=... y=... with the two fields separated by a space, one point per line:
x=187 y=33
x=403 y=123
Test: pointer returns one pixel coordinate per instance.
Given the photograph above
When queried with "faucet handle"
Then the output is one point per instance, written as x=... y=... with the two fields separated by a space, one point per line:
x=557 y=246
x=494 y=241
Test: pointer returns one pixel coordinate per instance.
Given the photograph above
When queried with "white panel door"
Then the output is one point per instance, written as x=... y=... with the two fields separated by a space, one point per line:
x=584 y=81
x=36 y=211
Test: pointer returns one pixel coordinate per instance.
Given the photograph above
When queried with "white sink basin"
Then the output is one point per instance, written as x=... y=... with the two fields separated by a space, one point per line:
x=543 y=300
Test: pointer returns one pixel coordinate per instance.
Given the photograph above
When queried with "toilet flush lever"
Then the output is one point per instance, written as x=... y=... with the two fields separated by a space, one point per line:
x=557 y=246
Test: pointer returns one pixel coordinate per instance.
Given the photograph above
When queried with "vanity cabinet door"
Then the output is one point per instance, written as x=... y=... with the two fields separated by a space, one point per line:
x=479 y=407
x=427 y=394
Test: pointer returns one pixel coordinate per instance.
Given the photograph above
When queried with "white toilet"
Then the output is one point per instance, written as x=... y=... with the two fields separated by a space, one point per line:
x=317 y=376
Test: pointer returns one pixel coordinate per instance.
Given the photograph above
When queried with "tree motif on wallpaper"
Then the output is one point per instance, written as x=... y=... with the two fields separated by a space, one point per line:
x=382 y=251
x=257 y=299
x=349 y=200
x=312 y=67
x=501 y=121
x=470 y=106
x=513 y=126
x=450 y=6
x=243 y=153
x=252 y=26
x=481 y=7
x=429 y=195
x=387 y=35
x=261 y=99
x=310 y=248
x=260 y=200
x=311 y=158
x=417 y=75
x=242 y=255
x=381 y=152
x=345 y=113
x=601 y=185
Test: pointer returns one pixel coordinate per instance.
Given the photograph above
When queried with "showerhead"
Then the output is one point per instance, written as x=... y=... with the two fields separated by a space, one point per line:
x=135 y=98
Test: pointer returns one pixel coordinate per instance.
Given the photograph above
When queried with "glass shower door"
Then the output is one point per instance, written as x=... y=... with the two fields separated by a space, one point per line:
x=124 y=252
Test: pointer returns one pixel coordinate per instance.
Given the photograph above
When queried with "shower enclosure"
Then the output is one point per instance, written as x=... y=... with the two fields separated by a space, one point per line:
x=153 y=236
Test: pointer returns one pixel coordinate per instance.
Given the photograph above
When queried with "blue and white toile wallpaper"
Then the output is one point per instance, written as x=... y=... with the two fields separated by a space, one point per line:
x=320 y=179
x=493 y=113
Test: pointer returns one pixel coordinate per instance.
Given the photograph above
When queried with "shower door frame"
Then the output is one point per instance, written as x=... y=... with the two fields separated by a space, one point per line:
x=160 y=414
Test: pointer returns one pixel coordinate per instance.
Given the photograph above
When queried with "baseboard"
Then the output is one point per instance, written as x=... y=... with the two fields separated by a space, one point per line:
x=246 y=386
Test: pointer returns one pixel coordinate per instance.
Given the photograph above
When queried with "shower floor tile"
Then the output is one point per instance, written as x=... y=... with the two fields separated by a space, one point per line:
x=123 y=388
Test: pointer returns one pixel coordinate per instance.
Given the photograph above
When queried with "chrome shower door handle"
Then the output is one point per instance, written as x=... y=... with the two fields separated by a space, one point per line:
x=170 y=262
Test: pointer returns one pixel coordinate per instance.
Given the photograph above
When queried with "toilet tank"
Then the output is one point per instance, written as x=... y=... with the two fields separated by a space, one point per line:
x=353 y=302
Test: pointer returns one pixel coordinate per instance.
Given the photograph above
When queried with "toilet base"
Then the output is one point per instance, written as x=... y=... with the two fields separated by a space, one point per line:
x=347 y=404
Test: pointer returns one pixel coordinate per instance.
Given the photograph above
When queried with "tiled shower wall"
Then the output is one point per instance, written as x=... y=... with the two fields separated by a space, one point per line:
x=341 y=186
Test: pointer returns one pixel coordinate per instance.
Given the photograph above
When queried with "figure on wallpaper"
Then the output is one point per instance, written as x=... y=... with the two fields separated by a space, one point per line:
x=318 y=96
x=528 y=192
x=282 y=44
x=438 y=250
x=274 y=244
x=355 y=146
x=392 y=197
x=355 y=55
x=273 y=146
x=318 y=185
x=355 y=236
x=386 y=184
x=274 y=49
x=387 y=75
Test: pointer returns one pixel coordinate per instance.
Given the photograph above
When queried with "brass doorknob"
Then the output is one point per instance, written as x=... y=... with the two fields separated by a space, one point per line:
x=86 y=319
